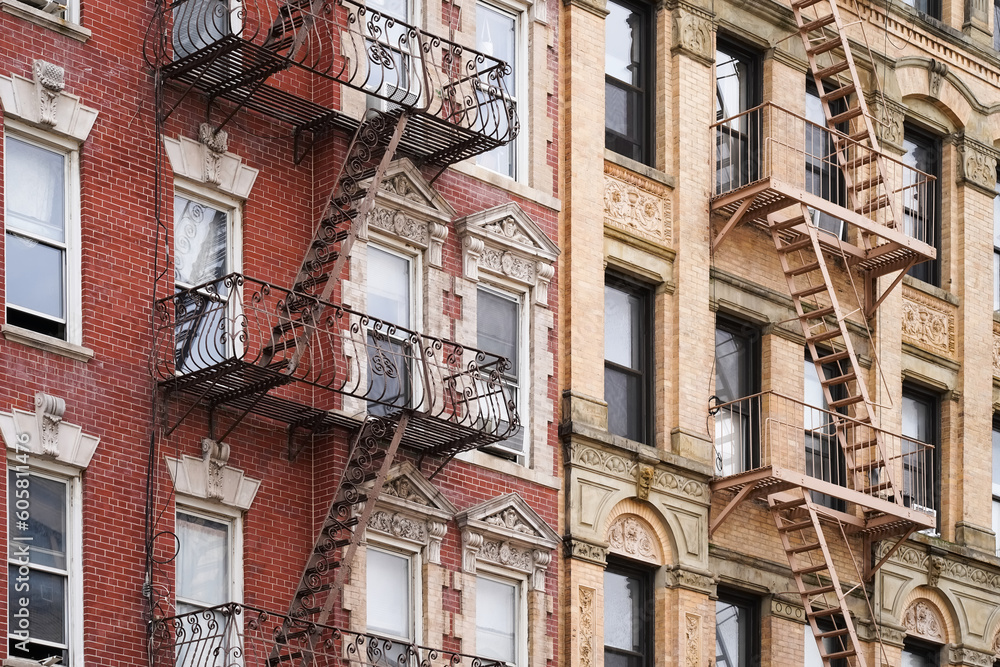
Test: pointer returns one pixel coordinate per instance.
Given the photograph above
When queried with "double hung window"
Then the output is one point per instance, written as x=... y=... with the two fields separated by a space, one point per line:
x=996 y=480
x=497 y=32
x=930 y=7
x=920 y=654
x=498 y=324
x=498 y=619
x=737 y=631
x=824 y=455
x=921 y=209
x=996 y=246
x=391 y=50
x=737 y=377
x=920 y=449
x=831 y=645
x=390 y=351
x=737 y=141
x=200 y=23
x=824 y=176
x=390 y=603
x=628 y=358
x=628 y=618
x=42 y=253
x=628 y=80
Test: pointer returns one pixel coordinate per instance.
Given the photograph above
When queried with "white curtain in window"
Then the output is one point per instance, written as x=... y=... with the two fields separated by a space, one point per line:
x=496 y=619
x=389 y=594
x=203 y=560
x=36 y=190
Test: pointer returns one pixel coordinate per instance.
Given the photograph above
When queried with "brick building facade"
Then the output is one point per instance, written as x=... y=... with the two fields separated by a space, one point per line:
x=770 y=171
x=229 y=296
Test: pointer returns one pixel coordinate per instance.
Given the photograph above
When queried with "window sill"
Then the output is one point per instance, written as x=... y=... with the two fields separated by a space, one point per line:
x=930 y=290
x=38 y=17
x=472 y=169
x=639 y=168
x=48 y=343
x=499 y=464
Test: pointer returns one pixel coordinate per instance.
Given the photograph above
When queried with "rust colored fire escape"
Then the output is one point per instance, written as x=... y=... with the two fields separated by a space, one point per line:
x=836 y=207
x=258 y=348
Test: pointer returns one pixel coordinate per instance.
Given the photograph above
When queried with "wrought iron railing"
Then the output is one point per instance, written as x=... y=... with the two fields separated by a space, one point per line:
x=209 y=330
x=770 y=142
x=234 y=635
x=771 y=430
x=343 y=41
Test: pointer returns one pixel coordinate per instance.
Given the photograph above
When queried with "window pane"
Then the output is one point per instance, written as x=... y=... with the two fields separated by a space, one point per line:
x=996 y=461
x=388 y=287
x=621 y=327
x=732 y=366
x=498 y=323
x=389 y=594
x=47 y=607
x=201 y=242
x=35 y=276
x=496 y=619
x=36 y=190
x=731 y=635
x=623 y=44
x=45 y=528
x=623 y=394
x=203 y=560
x=732 y=85
x=198 y=23
x=623 y=603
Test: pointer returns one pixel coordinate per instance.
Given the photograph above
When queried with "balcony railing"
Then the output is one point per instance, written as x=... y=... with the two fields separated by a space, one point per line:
x=228 y=48
x=771 y=143
x=768 y=430
x=234 y=635
x=230 y=339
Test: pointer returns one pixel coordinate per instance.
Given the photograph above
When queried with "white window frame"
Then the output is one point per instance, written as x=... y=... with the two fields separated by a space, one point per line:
x=523 y=298
x=521 y=91
x=74 y=548
x=485 y=570
x=389 y=545
x=413 y=68
x=220 y=514
x=72 y=12
x=72 y=294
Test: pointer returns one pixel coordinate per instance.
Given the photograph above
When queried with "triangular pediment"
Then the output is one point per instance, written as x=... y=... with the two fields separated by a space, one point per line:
x=406 y=488
x=404 y=187
x=510 y=517
x=509 y=228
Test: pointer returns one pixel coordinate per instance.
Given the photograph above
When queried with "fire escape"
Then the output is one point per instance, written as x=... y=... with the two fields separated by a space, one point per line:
x=837 y=209
x=288 y=353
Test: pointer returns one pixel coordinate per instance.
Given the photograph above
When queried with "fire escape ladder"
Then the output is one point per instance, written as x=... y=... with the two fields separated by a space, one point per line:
x=863 y=166
x=824 y=325
x=328 y=565
x=369 y=154
x=816 y=579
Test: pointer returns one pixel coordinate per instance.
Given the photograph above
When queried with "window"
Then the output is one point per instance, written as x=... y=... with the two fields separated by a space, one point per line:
x=824 y=456
x=921 y=212
x=200 y=23
x=498 y=36
x=499 y=331
x=996 y=480
x=920 y=428
x=628 y=618
x=498 y=619
x=930 y=7
x=737 y=376
x=66 y=9
x=738 y=86
x=42 y=237
x=823 y=174
x=390 y=596
x=831 y=645
x=996 y=24
x=389 y=36
x=628 y=359
x=43 y=548
x=205 y=250
x=996 y=246
x=737 y=631
x=628 y=78
x=390 y=299
x=920 y=654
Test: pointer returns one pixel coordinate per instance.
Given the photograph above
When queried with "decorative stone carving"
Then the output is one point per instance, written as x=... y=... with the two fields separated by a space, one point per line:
x=643 y=482
x=397 y=525
x=960 y=655
x=402 y=186
x=202 y=162
x=935 y=566
x=439 y=234
x=217 y=143
x=689 y=487
x=692 y=33
x=978 y=163
x=436 y=531
x=692 y=640
x=625 y=468
x=586 y=626
x=792 y=612
x=631 y=537
x=45 y=433
x=922 y=620
x=509 y=518
x=928 y=323
x=471 y=544
x=543 y=276
x=48 y=415
x=996 y=644
x=701 y=582
x=507 y=554
x=215 y=455
x=580 y=550
x=635 y=204
x=889 y=117
x=508 y=228
x=49 y=82
x=472 y=250
x=936 y=72
x=403 y=489
x=398 y=224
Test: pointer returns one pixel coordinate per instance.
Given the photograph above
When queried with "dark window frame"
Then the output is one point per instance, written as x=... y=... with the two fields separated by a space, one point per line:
x=645 y=576
x=828 y=436
x=832 y=186
x=753 y=367
x=930 y=271
x=931 y=8
x=644 y=143
x=996 y=236
x=933 y=401
x=926 y=650
x=752 y=643
x=748 y=133
x=996 y=25
x=646 y=364
x=995 y=465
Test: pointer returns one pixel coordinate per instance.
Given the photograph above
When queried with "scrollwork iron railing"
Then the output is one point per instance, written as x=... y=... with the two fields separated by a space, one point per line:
x=238 y=43
x=234 y=635
x=214 y=331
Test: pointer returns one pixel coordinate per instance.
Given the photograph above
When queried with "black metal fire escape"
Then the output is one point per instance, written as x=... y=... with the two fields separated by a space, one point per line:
x=271 y=347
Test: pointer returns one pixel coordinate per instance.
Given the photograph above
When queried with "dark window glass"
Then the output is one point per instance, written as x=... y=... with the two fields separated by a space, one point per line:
x=627 y=80
x=737 y=631
x=920 y=428
x=996 y=24
x=737 y=90
x=824 y=456
x=498 y=325
x=919 y=654
x=996 y=247
x=930 y=7
x=737 y=376
x=921 y=212
x=199 y=23
x=628 y=347
x=831 y=645
x=824 y=177
x=996 y=479
x=628 y=617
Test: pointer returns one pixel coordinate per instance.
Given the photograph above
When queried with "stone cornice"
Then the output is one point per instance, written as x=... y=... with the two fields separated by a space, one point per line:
x=585 y=551
x=625 y=467
x=43 y=102
x=45 y=434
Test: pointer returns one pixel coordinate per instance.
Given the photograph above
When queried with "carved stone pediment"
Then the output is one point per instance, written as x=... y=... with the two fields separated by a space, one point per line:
x=46 y=434
x=507 y=532
x=43 y=102
x=411 y=508
x=504 y=241
x=207 y=161
x=212 y=478
x=922 y=619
